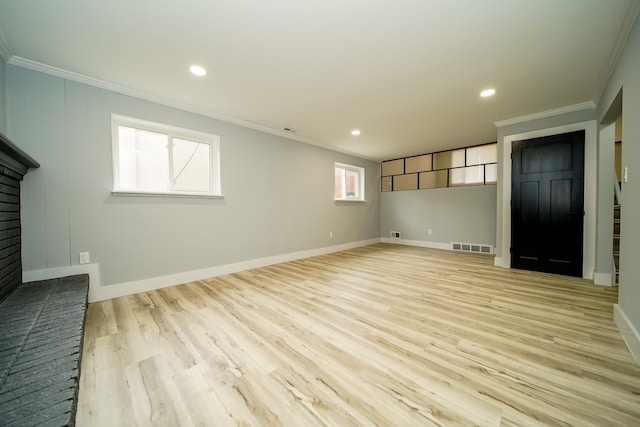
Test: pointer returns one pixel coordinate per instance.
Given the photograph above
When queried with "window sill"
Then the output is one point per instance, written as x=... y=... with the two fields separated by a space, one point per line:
x=350 y=200
x=185 y=194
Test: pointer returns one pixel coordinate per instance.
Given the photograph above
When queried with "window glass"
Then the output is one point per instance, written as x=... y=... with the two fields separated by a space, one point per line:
x=466 y=176
x=341 y=190
x=405 y=182
x=475 y=165
x=191 y=169
x=435 y=179
x=491 y=173
x=393 y=167
x=387 y=183
x=349 y=182
x=482 y=154
x=418 y=163
x=448 y=159
x=144 y=162
x=151 y=158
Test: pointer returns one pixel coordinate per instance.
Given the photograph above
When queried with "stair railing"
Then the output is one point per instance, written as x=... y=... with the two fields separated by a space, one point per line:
x=617 y=189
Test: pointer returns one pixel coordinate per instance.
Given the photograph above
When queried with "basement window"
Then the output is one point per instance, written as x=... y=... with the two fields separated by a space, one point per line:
x=155 y=159
x=349 y=182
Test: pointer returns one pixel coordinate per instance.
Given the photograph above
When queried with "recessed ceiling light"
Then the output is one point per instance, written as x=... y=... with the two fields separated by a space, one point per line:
x=487 y=92
x=198 y=70
x=355 y=132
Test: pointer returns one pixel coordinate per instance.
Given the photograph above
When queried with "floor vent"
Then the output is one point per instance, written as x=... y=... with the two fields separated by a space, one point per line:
x=472 y=247
x=394 y=234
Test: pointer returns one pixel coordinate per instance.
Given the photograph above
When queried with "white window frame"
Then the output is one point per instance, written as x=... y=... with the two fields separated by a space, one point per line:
x=172 y=132
x=360 y=171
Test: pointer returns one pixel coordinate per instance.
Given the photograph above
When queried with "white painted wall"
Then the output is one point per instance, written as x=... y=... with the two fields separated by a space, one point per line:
x=278 y=193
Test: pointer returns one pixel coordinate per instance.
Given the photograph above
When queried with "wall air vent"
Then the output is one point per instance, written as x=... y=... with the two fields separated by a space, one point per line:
x=472 y=247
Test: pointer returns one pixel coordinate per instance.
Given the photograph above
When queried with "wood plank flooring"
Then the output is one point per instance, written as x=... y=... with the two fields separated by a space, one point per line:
x=382 y=335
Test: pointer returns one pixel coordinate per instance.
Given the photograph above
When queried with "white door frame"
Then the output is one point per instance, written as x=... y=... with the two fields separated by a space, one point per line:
x=590 y=187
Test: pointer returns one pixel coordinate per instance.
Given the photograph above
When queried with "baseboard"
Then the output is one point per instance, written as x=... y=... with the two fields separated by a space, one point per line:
x=602 y=279
x=93 y=270
x=100 y=293
x=628 y=332
x=502 y=262
x=419 y=243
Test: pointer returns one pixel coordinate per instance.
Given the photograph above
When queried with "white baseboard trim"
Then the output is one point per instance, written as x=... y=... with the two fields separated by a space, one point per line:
x=602 y=279
x=93 y=270
x=501 y=262
x=100 y=293
x=419 y=243
x=628 y=332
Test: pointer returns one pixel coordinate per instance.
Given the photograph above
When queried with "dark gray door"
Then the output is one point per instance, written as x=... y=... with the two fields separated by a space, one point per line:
x=547 y=208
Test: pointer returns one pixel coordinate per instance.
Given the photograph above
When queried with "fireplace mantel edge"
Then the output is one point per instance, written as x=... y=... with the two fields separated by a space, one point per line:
x=14 y=158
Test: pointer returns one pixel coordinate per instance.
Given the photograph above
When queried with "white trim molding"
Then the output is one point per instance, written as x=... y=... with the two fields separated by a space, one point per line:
x=93 y=270
x=590 y=127
x=503 y=262
x=602 y=279
x=549 y=113
x=97 y=292
x=625 y=30
x=628 y=331
x=183 y=106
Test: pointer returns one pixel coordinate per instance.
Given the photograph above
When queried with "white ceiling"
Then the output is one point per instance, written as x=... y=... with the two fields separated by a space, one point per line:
x=407 y=73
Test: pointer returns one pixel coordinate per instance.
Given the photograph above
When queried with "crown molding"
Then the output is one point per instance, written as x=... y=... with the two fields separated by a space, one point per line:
x=147 y=96
x=5 y=53
x=630 y=19
x=549 y=113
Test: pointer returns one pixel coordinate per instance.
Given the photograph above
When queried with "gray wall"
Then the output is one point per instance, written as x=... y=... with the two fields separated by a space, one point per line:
x=279 y=193
x=456 y=214
x=626 y=76
x=3 y=115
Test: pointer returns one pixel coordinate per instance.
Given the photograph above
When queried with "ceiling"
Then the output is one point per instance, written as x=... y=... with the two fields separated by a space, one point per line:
x=407 y=73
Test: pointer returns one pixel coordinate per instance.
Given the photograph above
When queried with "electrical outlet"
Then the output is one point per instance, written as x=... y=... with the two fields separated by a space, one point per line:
x=429 y=232
x=331 y=234
x=84 y=257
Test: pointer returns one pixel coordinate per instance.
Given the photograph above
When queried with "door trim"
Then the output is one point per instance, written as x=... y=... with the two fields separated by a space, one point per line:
x=503 y=258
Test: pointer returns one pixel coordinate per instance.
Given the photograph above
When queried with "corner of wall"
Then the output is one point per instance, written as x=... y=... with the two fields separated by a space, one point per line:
x=629 y=333
x=602 y=279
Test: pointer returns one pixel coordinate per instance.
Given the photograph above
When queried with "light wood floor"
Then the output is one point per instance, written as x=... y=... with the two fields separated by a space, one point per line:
x=382 y=335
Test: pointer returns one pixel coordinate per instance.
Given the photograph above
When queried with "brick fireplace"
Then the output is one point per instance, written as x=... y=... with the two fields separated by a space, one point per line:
x=14 y=164
x=41 y=323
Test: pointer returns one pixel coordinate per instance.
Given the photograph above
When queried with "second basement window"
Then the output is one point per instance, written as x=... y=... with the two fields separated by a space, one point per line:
x=349 y=182
x=155 y=159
